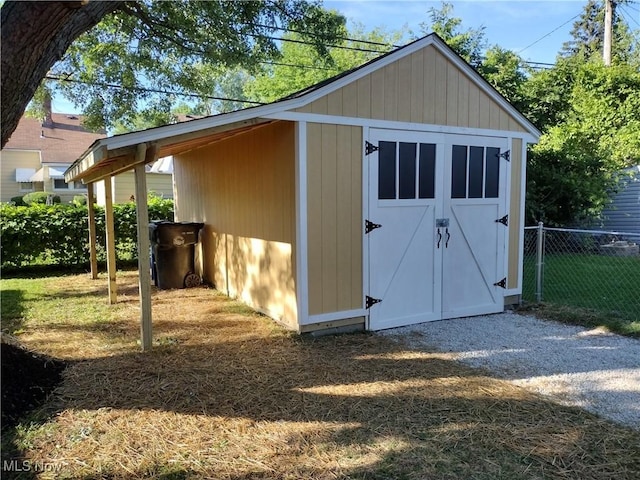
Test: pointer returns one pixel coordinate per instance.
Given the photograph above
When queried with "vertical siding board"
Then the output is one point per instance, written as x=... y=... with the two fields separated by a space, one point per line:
x=404 y=89
x=364 y=97
x=343 y=219
x=377 y=94
x=494 y=115
x=417 y=87
x=320 y=106
x=441 y=90
x=429 y=107
x=350 y=100
x=474 y=106
x=334 y=103
x=463 y=101
x=504 y=120
x=329 y=216
x=357 y=293
x=391 y=91
x=452 y=95
x=314 y=216
x=484 y=105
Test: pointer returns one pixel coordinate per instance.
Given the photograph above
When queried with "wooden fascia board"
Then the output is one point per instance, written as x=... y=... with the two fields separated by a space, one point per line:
x=114 y=167
x=86 y=162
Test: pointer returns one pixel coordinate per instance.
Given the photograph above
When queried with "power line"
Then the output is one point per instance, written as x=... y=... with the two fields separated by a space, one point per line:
x=628 y=15
x=368 y=42
x=545 y=36
x=151 y=90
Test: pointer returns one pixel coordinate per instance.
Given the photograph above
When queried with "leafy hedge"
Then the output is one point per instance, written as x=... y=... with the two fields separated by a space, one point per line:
x=58 y=234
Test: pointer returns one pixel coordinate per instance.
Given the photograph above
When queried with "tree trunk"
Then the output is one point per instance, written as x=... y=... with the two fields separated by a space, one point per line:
x=35 y=35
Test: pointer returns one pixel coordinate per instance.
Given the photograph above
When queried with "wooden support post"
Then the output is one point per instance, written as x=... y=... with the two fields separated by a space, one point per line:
x=110 y=240
x=144 y=261
x=93 y=258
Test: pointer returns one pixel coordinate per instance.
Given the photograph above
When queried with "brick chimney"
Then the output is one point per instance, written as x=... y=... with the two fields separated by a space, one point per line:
x=47 y=121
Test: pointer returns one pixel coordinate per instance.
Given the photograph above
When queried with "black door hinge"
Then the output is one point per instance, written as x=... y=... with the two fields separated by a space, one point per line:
x=502 y=283
x=504 y=220
x=368 y=226
x=370 y=301
x=506 y=155
x=369 y=148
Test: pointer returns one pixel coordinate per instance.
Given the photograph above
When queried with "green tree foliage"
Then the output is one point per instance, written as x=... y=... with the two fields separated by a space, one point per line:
x=301 y=65
x=587 y=36
x=507 y=72
x=185 y=46
x=574 y=169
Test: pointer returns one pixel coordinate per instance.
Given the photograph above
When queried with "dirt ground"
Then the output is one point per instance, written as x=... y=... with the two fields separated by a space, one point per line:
x=27 y=379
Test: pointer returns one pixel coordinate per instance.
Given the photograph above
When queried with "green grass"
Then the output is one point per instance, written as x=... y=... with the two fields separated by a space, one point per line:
x=591 y=290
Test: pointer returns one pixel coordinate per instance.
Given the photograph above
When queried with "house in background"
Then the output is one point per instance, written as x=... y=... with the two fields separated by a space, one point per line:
x=388 y=195
x=623 y=215
x=38 y=153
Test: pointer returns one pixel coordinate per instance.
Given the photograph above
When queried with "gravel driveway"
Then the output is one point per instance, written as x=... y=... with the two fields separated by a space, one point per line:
x=576 y=366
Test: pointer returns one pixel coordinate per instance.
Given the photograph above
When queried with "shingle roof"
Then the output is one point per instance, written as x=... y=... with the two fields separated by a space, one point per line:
x=61 y=141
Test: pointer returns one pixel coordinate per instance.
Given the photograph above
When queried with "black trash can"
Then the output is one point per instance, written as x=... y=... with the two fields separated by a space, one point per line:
x=172 y=253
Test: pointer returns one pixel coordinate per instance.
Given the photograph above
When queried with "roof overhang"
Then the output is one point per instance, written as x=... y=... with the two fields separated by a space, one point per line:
x=110 y=156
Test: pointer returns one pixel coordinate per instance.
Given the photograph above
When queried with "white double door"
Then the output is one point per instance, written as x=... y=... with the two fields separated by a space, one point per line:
x=436 y=249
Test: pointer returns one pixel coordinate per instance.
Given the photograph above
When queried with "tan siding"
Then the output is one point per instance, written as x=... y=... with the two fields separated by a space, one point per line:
x=9 y=161
x=334 y=218
x=404 y=85
x=452 y=95
x=390 y=92
x=314 y=209
x=243 y=189
x=350 y=100
x=429 y=83
x=514 y=214
x=363 y=86
x=417 y=82
x=424 y=87
x=376 y=94
x=464 y=107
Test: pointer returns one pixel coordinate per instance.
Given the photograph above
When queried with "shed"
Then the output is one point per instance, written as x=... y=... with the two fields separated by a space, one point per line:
x=389 y=195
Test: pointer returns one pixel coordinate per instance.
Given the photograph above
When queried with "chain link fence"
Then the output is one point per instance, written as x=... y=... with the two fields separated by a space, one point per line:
x=587 y=269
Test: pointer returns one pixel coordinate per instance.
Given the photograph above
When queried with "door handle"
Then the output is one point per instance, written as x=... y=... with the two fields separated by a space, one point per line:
x=446 y=243
x=439 y=238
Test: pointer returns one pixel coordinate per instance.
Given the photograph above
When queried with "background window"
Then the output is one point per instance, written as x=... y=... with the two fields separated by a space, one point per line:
x=60 y=184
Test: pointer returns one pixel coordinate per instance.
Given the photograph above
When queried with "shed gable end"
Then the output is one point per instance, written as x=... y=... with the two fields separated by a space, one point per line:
x=422 y=87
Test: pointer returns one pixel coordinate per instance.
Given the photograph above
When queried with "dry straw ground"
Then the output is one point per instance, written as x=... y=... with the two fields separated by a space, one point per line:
x=227 y=394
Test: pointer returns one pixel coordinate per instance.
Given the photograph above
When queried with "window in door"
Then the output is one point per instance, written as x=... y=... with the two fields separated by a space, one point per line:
x=475 y=172
x=406 y=171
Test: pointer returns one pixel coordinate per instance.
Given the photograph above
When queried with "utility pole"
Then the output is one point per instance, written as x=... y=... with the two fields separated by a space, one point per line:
x=608 y=30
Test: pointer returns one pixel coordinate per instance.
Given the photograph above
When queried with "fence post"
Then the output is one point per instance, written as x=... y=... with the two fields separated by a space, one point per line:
x=539 y=261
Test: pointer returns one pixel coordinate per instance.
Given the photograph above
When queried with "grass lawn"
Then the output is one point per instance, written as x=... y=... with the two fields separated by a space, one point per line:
x=227 y=394
x=591 y=290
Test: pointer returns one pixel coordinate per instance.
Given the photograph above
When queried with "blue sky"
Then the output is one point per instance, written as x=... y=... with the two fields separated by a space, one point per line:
x=534 y=29
x=512 y=24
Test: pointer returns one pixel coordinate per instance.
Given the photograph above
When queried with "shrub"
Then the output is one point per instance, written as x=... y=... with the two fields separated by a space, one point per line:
x=39 y=198
x=58 y=234
x=17 y=201
x=79 y=200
